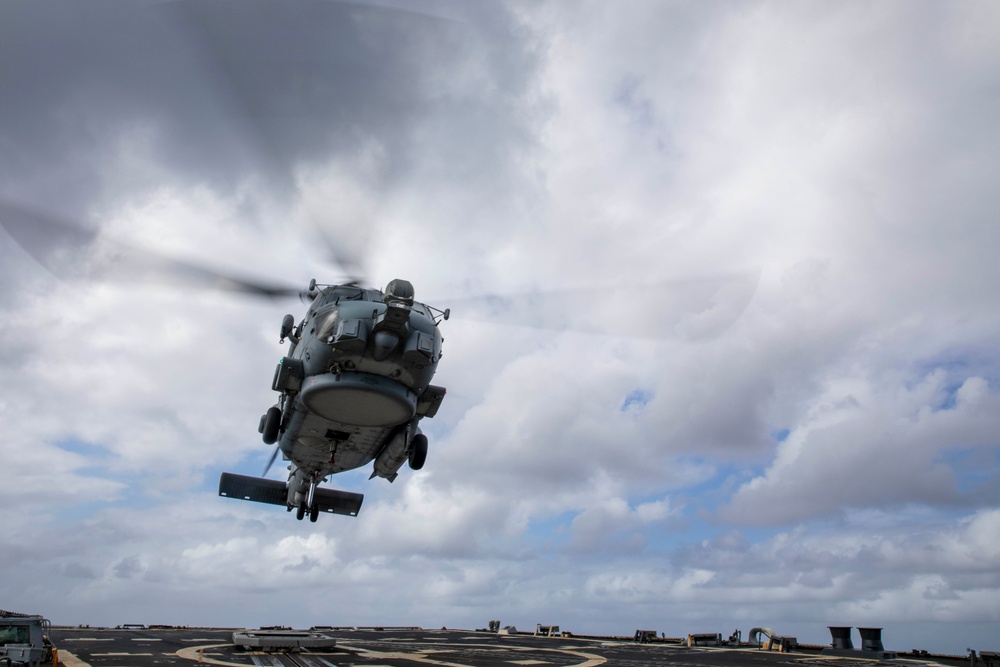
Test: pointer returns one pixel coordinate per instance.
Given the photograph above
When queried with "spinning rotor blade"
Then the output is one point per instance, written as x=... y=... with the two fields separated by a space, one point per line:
x=693 y=309
x=329 y=79
x=270 y=462
x=345 y=258
x=61 y=248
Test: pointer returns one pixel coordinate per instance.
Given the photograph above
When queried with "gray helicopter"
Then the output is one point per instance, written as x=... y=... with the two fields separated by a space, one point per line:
x=353 y=388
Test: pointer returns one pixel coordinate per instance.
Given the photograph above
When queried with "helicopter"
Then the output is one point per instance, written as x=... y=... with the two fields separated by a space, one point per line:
x=353 y=388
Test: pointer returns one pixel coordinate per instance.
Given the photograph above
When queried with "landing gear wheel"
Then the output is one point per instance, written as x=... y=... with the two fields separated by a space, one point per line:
x=314 y=513
x=272 y=422
x=300 y=511
x=418 y=451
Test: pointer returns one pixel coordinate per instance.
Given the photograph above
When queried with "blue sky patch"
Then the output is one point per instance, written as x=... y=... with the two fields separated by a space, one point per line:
x=89 y=449
x=636 y=399
x=974 y=466
x=551 y=530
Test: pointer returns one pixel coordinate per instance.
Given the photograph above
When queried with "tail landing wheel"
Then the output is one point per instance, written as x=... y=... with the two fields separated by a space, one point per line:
x=314 y=513
x=300 y=511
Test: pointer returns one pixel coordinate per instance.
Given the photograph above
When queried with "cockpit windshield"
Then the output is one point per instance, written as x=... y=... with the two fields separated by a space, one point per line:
x=346 y=293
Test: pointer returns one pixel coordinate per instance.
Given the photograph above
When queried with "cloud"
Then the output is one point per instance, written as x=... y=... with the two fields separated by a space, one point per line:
x=869 y=446
x=127 y=567
x=612 y=525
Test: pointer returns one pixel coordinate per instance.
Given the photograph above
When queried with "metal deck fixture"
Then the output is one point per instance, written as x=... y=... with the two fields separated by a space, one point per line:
x=871 y=639
x=281 y=640
x=24 y=639
x=841 y=636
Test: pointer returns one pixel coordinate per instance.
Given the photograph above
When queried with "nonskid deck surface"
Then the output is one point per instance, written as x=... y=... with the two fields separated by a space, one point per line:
x=79 y=647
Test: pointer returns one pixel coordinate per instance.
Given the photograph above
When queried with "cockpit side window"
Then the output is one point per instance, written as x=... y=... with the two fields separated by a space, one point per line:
x=326 y=322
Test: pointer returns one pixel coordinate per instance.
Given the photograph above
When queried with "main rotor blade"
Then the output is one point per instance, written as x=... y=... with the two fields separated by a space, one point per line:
x=344 y=257
x=66 y=249
x=329 y=71
x=270 y=462
x=691 y=309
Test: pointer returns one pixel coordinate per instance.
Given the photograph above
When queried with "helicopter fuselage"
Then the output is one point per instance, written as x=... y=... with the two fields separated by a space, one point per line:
x=353 y=388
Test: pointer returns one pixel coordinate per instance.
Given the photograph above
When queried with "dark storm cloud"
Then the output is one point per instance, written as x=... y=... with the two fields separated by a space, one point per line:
x=221 y=89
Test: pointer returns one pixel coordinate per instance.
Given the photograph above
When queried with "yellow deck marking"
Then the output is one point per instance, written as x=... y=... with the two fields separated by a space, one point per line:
x=202 y=654
x=191 y=653
x=589 y=659
x=70 y=660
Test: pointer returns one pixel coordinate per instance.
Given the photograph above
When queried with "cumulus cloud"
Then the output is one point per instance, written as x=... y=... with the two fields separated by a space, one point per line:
x=862 y=446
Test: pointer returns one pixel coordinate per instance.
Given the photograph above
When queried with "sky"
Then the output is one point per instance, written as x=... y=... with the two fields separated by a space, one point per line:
x=749 y=374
